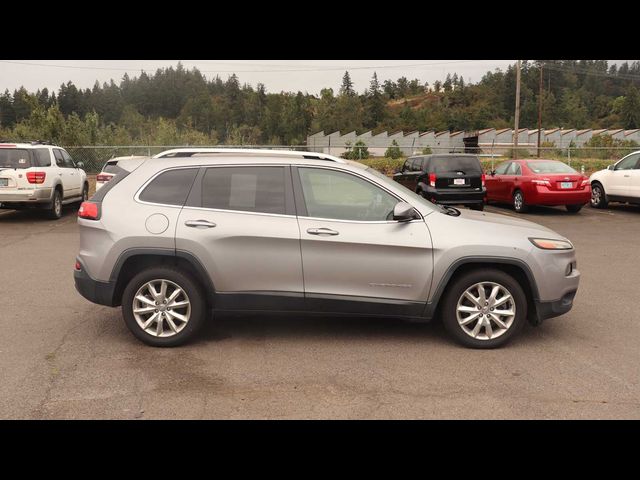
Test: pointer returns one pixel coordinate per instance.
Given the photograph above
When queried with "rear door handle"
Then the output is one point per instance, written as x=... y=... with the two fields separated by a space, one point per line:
x=199 y=224
x=627 y=176
x=322 y=231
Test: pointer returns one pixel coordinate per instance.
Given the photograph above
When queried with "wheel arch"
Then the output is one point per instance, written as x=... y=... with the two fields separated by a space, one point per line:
x=134 y=260
x=514 y=267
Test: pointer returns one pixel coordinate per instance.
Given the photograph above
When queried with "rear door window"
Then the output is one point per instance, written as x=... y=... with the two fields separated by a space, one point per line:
x=170 y=188
x=246 y=189
x=502 y=168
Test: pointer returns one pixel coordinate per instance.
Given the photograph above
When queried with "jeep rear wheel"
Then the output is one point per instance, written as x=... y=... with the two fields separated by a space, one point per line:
x=484 y=308
x=163 y=307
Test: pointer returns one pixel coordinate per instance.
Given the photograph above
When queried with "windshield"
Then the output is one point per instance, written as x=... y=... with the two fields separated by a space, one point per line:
x=14 y=158
x=549 y=166
x=455 y=164
x=412 y=195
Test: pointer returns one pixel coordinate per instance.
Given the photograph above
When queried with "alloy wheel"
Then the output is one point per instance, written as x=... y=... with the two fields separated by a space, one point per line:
x=486 y=310
x=161 y=308
x=596 y=195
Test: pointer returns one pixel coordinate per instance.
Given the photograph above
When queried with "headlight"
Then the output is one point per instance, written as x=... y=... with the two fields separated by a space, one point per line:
x=550 y=244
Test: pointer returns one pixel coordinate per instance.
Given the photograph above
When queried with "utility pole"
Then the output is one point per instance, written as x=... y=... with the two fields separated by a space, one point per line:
x=540 y=110
x=517 y=122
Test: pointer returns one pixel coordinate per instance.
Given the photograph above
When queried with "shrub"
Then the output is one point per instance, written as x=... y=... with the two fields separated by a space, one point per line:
x=358 y=152
x=426 y=151
x=393 y=151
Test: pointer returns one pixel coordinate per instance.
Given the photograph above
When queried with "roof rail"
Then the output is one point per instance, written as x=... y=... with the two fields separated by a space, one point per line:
x=42 y=142
x=190 y=151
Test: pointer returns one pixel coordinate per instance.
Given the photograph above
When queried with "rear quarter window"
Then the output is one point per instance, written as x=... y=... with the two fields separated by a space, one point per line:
x=170 y=188
x=41 y=157
x=111 y=167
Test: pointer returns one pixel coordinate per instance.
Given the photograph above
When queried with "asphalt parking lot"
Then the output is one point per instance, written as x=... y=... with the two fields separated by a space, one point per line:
x=63 y=357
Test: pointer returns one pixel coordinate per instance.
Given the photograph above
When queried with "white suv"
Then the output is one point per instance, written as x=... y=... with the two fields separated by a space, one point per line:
x=40 y=175
x=619 y=182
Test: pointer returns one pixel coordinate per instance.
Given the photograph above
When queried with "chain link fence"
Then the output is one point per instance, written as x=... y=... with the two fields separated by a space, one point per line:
x=587 y=159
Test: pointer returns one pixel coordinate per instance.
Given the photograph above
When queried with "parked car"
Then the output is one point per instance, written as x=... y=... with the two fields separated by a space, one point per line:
x=620 y=182
x=109 y=169
x=40 y=175
x=172 y=240
x=523 y=183
x=448 y=179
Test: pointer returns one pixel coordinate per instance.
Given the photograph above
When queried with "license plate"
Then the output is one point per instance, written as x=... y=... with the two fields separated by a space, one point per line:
x=4 y=182
x=458 y=181
x=566 y=184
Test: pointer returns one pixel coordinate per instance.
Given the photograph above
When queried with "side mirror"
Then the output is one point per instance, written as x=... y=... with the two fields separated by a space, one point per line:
x=492 y=173
x=80 y=164
x=610 y=167
x=403 y=212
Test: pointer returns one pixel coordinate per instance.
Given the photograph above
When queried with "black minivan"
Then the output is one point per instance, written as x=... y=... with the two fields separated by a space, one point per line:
x=449 y=179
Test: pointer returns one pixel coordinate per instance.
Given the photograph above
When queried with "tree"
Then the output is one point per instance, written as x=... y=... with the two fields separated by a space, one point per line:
x=347 y=85
x=375 y=104
x=393 y=151
x=630 y=109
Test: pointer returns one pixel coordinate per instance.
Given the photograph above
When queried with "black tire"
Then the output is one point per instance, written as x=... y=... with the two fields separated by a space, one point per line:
x=187 y=284
x=477 y=206
x=457 y=288
x=598 y=196
x=573 y=208
x=55 y=211
x=519 y=204
x=85 y=194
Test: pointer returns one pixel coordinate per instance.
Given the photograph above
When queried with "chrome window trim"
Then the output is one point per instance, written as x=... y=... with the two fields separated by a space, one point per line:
x=349 y=172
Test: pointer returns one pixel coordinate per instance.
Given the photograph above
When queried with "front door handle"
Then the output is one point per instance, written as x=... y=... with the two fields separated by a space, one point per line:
x=627 y=176
x=322 y=231
x=199 y=224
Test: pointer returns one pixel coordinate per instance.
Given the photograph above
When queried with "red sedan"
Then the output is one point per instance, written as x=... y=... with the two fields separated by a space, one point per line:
x=538 y=182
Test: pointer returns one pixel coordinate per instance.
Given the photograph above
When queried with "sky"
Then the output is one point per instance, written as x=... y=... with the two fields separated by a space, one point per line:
x=277 y=75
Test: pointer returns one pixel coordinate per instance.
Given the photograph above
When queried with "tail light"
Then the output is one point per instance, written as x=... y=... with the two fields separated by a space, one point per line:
x=484 y=180
x=432 y=179
x=36 y=177
x=546 y=183
x=89 y=211
x=78 y=266
x=103 y=178
x=585 y=182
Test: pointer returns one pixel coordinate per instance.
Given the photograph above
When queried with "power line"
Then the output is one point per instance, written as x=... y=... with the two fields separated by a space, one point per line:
x=294 y=69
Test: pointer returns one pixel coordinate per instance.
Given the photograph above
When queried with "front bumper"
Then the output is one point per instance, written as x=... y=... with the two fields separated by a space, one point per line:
x=455 y=197
x=102 y=293
x=545 y=310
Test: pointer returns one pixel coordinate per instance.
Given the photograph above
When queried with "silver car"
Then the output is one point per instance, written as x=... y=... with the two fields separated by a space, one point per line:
x=174 y=240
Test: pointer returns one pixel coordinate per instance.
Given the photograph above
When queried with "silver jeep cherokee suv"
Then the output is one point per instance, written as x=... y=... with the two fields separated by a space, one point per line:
x=173 y=240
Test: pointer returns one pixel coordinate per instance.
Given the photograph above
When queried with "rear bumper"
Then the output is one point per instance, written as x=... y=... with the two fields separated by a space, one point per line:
x=37 y=195
x=548 y=197
x=95 y=291
x=455 y=197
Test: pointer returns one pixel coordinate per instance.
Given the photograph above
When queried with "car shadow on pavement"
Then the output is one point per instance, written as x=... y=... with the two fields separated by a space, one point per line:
x=33 y=214
x=305 y=326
